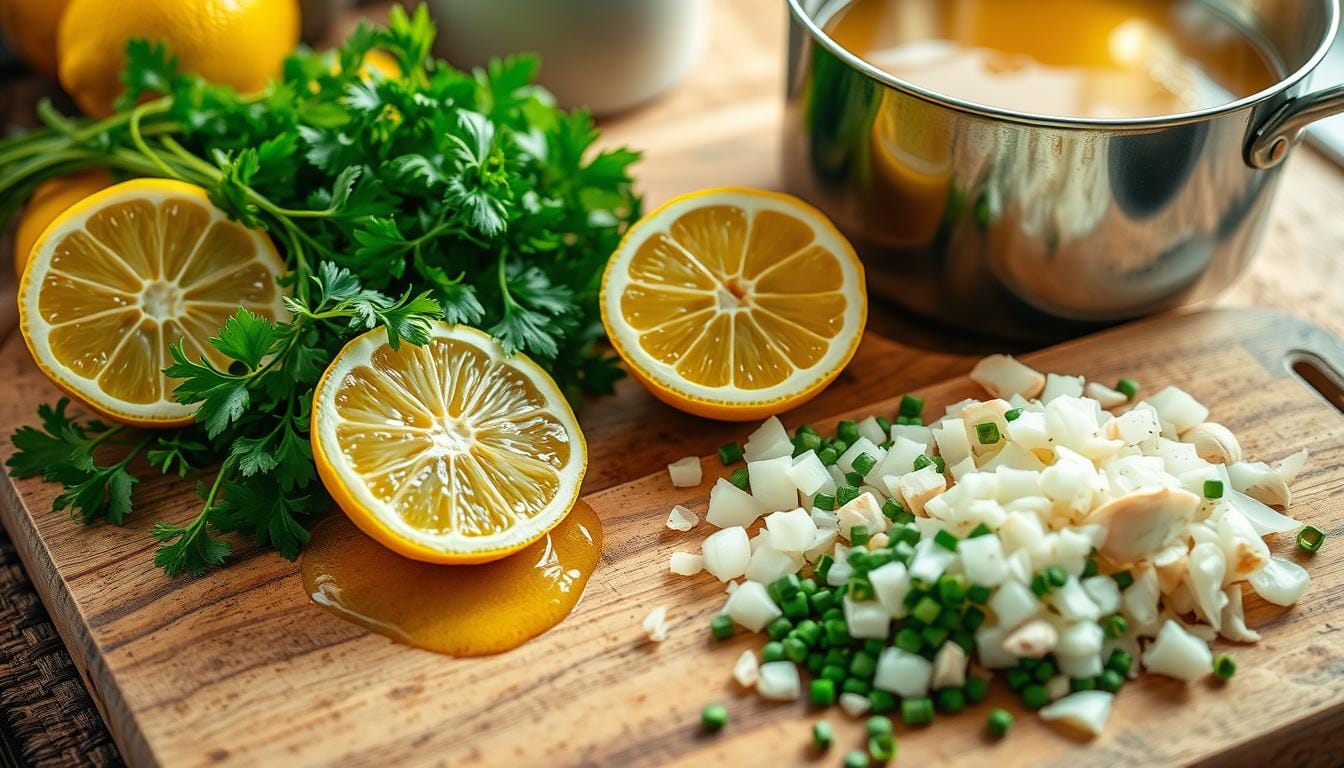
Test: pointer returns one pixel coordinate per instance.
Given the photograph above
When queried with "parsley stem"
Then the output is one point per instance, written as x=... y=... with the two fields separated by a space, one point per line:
x=139 y=142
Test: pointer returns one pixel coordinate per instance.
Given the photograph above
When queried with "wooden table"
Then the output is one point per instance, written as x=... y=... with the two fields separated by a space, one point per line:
x=719 y=128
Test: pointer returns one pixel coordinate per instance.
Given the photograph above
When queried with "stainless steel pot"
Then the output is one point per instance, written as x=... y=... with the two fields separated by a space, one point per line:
x=1029 y=225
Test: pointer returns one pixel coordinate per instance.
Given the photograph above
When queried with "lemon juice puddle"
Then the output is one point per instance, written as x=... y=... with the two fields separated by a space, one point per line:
x=459 y=610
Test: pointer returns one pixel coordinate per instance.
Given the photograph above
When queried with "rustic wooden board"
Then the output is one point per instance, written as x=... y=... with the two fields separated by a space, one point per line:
x=240 y=668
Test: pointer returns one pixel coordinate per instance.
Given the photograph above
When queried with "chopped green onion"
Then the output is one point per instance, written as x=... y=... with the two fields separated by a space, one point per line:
x=833 y=672
x=808 y=631
x=933 y=636
x=927 y=610
x=730 y=453
x=821 y=692
x=795 y=608
x=845 y=494
x=878 y=725
x=882 y=747
x=856 y=686
x=822 y=735
x=979 y=530
x=713 y=717
x=1110 y=681
x=979 y=594
x=1089 y=568
x=863 y=463
x=1310 y=539
x=940 y=464
x=822 y=601
x=721 y=627
x=863 y=665
x=911 y=407
x=856 y=759
x=772 y=651
x=1213 y=489
x=740 y=478
x=1000 y=721
x=854 y=478
x=837 y=631
x=909 y=421
x=922 y=461
x=1120 y=661
x=824 y=501
x=807 y=586
x=1040 y=585
x=1123 y=579
x=977 y=688
x=860 y=590
x=1127 y=387
x=1034 y=696
x=1114 y=625
x=883 y=424
x=840 y=446
x=1044 y=670
x=886 y=444
x=808 y=442
x=945 y=539
x=859 y=535
x=951 y=700
x=973 y=618
x=952 y=588
x=815 y=662
x=1224 y=667
x=987 y=432
x=828 y=456
x=779 y=628
x=917 y=711
x=896 y=513
x=795 y=650
x=1011 y=415
x=908 y=640
x=848 y=431
x=782 y=589
x=1083 y=684
x=1056 y=576
x=906 y=533
x=1018 y=678
x=881 y=701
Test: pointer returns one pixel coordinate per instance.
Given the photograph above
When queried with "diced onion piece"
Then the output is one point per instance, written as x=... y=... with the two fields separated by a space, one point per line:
x=1104 y=395
x=686 y=563
x=845 y=463
x=1104 y=592
x=747 y=670
x=1291 y=466
x=915 y=433
x=891 y=583
x=655 y=624
x=1139 y=602
x=769 y=441
x=731 y=506
x=1083 y=638
x=1179 y=654
x=1032 y=640
x=1057 y=385
x=870 y=429
x=930 y=560
x=900 y=457
x=1262 y=518
x=1085 y=711
x=770 y=483
x=822 y=543
x=1137 y=425
x=1073 y=603
x=1058 y=687
x=1003 y=376
x=727 y=553
x=750 y=605
x=1142 y=522
x=682 y=519
x=1205 y=569
x=952 y=443
x=855 y=705
x=949 y=666
x=778 y=681
x=1088 y=665
x=685 y=473
x=982 y=559
x=1281 y=582
x=989 y=651
x=1234 y=618
x=1013 y=603
x=1176 y=406
x=808 y=474
x=866 y=619
x=768 y=564
x=918 y=487
x=903 y=673
x=861 y=510
x=791 y=531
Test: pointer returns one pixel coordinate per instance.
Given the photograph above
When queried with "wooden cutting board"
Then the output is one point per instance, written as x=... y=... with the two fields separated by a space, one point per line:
x=240 y=668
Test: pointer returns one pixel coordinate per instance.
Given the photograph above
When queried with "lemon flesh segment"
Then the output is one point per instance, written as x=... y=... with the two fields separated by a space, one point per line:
x=121 y=276
x=447 y=452
x=735 y=298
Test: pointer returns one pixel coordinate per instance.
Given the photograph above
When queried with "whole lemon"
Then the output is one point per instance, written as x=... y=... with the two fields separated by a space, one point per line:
x=51 y=198
x=240 y=43
x=30 y=31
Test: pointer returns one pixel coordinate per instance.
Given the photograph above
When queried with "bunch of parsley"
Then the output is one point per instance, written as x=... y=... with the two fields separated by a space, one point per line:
x=396 y=198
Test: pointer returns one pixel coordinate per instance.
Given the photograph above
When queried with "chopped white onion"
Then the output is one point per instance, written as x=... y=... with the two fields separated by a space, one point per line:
x=1105 y=593
x=750 y=605
x=1061 y=386
x=1013 y=603
x=727 y=553
x=1032 y=640
x=903 y=673
x=855 y=705
x=870 y=429
x=930 y=560
x=1003 y=376
x=685 y=473
x=1281 y=582
x=1261 y=517
x=865 y=619
x=768 y=564
x=1085 y=711
x=686 y=563
x=655 y=624
x=747 y=670
x=791 y=531
x=778 y=681
x=1176 y=406
x=949 y=666
x=682 y=519
x=1179 y=654
x=731 y=506
x=770 y=483
x=983 y=561
x=808 y=474
x=1108 y=398
x=769 y=441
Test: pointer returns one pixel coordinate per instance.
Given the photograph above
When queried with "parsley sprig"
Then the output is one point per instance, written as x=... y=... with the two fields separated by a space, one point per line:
x=396 y=200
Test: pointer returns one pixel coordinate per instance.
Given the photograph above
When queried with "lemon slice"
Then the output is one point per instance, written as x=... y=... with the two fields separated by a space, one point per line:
x=734 y=303
x=125 y=273
x=449 y=452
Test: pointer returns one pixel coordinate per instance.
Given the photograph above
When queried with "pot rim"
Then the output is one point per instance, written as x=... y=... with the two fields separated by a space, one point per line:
x=1031 y=118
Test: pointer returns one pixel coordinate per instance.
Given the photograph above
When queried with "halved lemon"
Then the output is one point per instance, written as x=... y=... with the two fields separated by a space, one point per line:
x=125 y=273
x=451 y=452
x=734 y=303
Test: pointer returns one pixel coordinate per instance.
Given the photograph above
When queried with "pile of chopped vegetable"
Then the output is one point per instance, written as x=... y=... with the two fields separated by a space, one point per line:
x=1063 y=535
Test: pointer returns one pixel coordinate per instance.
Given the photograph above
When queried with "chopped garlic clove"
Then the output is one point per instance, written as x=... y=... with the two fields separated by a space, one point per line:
x=1032 y=640
x=1214 y=443
x=1142 y=522
x=949 y=666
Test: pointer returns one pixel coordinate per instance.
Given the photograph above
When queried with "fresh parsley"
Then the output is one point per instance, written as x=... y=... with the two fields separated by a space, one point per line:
x=397 y=199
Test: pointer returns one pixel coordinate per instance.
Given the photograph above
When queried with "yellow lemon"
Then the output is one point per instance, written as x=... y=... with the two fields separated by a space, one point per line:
x=30 y=31
x=129 y=271
x=451 y=452
x=241 y=43
x=51 y=198
x=734 y=303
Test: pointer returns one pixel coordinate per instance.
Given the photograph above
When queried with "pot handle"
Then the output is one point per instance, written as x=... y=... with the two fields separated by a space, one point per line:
x=1269 y=143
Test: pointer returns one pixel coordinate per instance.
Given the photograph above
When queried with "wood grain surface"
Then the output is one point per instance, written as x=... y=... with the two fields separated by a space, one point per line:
x=240 y=668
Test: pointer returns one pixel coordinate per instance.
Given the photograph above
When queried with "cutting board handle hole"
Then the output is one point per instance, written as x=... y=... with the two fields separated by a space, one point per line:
x=1318 y=375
